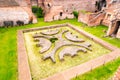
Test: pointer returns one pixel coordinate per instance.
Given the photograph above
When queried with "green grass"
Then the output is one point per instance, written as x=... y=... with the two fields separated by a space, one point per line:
x=105 y=72
x=41 y=69
x=8 y=47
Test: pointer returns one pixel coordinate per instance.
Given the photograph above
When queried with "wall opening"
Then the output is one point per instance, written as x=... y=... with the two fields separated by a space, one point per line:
x=48 y=5
x=117 y=26
x=100 y=4
x=61 y=13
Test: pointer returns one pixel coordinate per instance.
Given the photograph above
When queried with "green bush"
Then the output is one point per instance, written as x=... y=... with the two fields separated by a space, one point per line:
x=52 y=40
x=34 y=9
x=38 y=11
x=75 y=14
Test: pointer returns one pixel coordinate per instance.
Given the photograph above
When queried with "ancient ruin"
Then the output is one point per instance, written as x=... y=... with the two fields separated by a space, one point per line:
x=91 y=12
x=107 y=12
x=62 y=9
x=74 y=43
x=16 y=12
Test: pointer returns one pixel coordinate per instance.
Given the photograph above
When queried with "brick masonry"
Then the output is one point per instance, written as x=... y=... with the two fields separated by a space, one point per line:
x=23 y=64
x=117 y=75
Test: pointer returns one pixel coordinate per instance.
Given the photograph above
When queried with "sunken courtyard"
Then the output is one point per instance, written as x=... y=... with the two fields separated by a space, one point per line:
x=60 y=39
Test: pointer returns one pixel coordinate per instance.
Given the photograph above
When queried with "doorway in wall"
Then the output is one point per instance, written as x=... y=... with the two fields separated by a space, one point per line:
x=117 y=26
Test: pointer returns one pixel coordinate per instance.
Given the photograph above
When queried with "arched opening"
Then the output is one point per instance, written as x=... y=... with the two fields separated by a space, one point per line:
x=48 y=5
x=117 y=26
x=61 y=13
x=100 y=4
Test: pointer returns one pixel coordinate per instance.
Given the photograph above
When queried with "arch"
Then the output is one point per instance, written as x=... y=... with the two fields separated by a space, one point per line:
x=61 y=13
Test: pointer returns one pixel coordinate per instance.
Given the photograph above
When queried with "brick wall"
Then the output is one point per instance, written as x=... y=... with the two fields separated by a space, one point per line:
x=13 y=14
x=71 y=5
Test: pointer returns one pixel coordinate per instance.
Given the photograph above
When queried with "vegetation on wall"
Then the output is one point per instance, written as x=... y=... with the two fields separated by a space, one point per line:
x=38 y=11
x=76 y=13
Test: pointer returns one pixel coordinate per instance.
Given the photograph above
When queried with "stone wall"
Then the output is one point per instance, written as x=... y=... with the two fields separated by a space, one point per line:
x=13 y=14
x=14 y=10
x=112 y=17
x=108 y=16
x=68 y=6
x=24 y=3
x=77 y=5
x=91 y=19
x=83 y=17
x=7 y=3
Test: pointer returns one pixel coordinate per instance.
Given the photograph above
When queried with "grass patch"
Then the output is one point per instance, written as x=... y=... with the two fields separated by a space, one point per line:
x=105 y=72
x=8 y=47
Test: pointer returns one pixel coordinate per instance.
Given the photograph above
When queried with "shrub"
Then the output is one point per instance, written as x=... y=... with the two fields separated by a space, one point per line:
x=52 y=40
x=38 y=11
x=34 y=9
x=75 y=14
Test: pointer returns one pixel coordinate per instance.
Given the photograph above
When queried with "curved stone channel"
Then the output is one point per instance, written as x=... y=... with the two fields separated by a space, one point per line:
x=69 y=40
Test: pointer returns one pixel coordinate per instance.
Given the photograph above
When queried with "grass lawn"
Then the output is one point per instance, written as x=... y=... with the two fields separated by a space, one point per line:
x=8 y=49
x=105 y=72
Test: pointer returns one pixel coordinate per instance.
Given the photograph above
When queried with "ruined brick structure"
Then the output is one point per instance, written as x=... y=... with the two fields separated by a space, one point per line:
x=62 y=9
x=91 y=12
x=108 y=15
x=14 y=10
x=112 y=19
